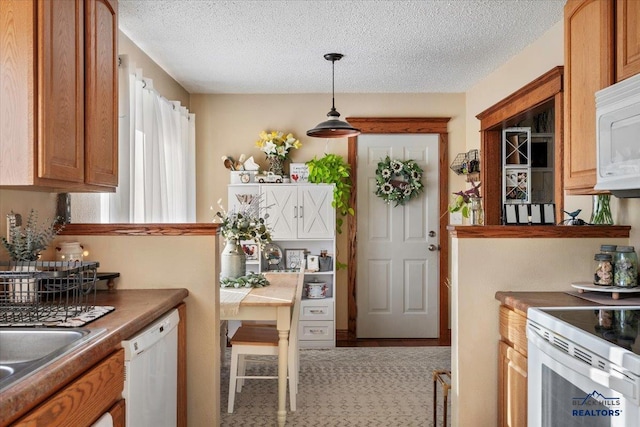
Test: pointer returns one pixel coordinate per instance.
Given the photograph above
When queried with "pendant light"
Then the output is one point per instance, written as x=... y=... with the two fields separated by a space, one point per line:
x=334 y=127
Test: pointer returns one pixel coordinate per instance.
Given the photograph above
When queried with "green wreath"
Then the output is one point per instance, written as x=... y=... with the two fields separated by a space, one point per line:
x=398 y=181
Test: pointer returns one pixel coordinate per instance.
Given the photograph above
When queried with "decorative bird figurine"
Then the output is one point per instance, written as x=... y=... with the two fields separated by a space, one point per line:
x=573 y=220
x=573 y=214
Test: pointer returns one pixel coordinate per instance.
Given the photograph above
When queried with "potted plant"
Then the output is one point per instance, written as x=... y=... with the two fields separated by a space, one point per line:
x=468 y=202
x=332 y=169
x=24 y=243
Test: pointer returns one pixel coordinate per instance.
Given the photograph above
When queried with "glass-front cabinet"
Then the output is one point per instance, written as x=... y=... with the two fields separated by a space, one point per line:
x=527 y=166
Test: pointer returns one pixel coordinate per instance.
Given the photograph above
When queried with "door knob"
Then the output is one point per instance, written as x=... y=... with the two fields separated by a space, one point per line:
x=432 y=233
x=433 y=248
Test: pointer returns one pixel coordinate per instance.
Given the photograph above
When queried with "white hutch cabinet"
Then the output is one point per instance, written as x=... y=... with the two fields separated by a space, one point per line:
x=302 y=219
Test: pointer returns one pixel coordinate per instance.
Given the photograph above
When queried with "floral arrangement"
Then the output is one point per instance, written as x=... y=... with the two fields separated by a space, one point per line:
x=26 y=242
x=398 y=181
x=462 y=201
x=244 y=223
x=251 y=280
x=277 y=144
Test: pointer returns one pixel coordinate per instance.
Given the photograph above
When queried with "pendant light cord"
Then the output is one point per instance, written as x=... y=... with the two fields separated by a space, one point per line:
x=333 y=84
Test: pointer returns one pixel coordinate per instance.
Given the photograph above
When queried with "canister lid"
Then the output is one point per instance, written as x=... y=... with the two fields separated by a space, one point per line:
x=608 y=248
x=625 y=249
x=602 y=257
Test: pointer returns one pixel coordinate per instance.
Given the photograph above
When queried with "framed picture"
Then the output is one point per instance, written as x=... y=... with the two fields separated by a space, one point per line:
x=251 y=251
x=299 y=172
x=293 y=258
x=313 y=263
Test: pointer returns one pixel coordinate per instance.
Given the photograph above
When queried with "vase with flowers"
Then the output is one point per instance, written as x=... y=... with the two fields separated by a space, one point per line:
x=277 y=145
x=469 y=204
x=237 y=225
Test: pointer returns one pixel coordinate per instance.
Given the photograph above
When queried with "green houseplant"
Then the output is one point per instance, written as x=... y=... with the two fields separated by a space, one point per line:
x=24 y=243
x=463 y=200
x=332 y=169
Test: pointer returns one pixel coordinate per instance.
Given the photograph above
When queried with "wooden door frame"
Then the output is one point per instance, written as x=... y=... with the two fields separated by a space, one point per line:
x=402 y=125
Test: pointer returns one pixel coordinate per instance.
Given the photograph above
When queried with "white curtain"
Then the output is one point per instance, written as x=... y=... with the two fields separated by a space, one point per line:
x=157 y=156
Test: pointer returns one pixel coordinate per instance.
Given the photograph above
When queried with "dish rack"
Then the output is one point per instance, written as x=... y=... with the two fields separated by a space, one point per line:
x=45 y=292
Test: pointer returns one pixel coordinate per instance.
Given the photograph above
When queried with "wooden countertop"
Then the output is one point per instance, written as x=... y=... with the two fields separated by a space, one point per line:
x=134 y=309
x=521 y=301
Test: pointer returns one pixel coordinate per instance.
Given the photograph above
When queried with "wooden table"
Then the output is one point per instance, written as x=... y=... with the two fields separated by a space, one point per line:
x=273 y=302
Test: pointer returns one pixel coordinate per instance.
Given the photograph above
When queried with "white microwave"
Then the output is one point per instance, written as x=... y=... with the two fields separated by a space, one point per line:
x=618 y=138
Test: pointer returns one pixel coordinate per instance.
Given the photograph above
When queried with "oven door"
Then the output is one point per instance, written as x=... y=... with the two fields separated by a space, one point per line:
x=565 y=391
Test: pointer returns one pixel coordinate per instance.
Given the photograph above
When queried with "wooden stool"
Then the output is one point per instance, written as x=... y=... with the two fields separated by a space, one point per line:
x=439 y=377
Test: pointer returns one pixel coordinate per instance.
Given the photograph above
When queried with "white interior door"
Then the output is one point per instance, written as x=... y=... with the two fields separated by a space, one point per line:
x=397 y=280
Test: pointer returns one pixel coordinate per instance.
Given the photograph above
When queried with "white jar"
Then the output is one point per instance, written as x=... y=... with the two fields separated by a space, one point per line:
x=69 y=251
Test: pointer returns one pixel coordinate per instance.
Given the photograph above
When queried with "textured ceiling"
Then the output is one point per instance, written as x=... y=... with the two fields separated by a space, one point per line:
x=389 y=46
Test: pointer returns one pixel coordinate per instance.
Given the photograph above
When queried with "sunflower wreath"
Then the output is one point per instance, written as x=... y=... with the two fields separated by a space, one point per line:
x=398 y=181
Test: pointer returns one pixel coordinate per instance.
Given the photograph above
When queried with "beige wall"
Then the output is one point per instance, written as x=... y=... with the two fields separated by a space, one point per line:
x=230 y=124
x=158 y=262
x=515 y=265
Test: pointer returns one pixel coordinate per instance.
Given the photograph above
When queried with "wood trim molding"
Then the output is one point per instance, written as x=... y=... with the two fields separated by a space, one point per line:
x=538 y=231
x=538 y=91
x=546 y=88
x=192 y=229
x=400 y=125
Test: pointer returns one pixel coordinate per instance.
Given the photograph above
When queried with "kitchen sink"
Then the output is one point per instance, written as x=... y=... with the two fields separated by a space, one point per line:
x=24 y=351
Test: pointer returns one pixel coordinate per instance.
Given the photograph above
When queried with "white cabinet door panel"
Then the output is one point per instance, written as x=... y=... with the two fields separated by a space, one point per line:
x=316 y=216
x=282 y=207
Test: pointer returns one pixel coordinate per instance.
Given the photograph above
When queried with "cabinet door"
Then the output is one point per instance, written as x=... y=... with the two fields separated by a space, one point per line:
x=512 y=387
x=282 y=206
x=101 y=93
x=85 y=399
x=60 y=85
x=316 y=216
x=627 y=38
x=589 y=67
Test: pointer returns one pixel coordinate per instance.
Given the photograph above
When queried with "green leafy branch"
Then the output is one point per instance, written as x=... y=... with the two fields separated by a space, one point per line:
x=26 y=242
x=332 y=169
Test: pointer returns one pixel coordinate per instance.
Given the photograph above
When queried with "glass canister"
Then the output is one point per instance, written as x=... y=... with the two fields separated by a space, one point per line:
x=603 y=275
x=625 y=267
x=608 y=249
x=611 y=250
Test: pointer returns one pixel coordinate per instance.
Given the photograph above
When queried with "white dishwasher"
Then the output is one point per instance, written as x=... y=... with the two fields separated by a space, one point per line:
x=151 y=374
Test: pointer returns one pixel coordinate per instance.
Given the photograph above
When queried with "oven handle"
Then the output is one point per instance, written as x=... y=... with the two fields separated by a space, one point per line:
x=620 y=384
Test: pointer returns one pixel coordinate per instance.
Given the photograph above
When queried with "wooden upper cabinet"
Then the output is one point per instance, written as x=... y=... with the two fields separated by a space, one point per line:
x=589 y=65
x=60 y=63
x=627 y=38
x=602 y=47
x=101 y=108
x=58 y=85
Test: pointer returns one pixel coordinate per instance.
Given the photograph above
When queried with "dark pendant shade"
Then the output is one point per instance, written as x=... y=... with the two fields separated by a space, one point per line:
x=334 y=127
